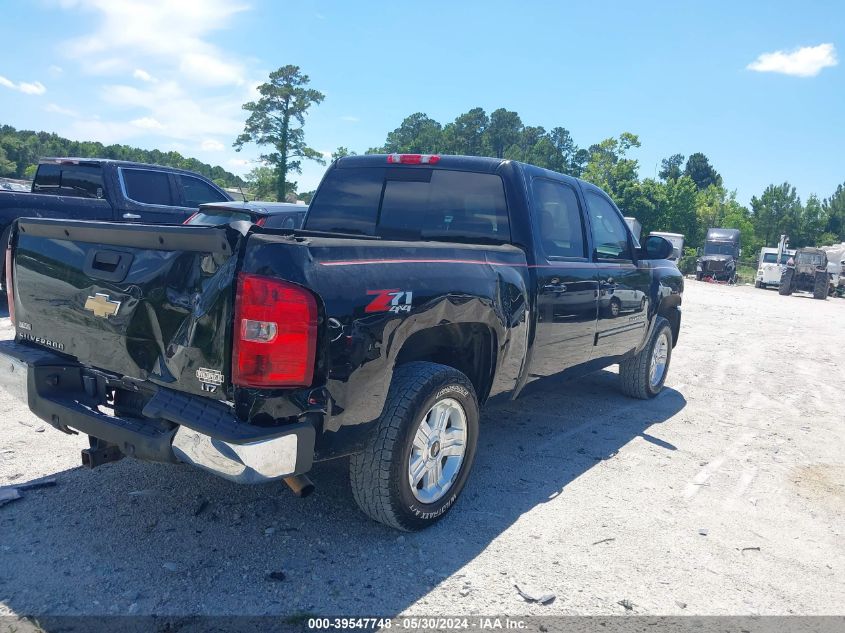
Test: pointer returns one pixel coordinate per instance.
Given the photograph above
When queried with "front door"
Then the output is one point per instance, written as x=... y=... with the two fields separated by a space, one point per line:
x=567 y=287
x=623 y=285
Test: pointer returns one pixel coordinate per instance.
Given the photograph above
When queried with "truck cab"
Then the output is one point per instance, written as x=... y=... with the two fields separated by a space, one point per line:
x=718 y=262
x=770 y=268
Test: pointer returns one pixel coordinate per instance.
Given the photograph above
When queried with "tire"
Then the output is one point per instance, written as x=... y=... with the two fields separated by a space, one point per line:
x=820 y=286
x=380 y=474
x=758 y=284
x=785 y=287
x=636 y=375
x=698 y=276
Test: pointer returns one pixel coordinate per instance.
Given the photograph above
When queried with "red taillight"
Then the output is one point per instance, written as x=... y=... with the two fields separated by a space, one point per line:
x=10 y=289
x=261 y=221
x=193 y=215
x=275 y=334
x=413 y=159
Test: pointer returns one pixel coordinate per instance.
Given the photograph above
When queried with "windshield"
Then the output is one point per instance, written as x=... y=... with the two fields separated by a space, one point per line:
x=719 y=248
x=810 y=258
x=771 y=258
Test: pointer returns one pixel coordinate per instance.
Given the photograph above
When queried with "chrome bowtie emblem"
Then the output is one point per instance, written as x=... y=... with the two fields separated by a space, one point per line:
x=102 y=306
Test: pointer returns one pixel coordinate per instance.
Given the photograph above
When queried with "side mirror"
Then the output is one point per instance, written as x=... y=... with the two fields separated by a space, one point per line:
x=656 y=247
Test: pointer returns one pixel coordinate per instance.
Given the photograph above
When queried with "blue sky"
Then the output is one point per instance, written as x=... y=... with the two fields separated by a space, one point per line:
x=173 y=74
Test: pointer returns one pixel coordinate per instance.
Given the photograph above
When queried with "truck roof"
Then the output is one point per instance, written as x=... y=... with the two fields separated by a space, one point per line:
x=483 y=164
x=74 y=160
x=723 y=235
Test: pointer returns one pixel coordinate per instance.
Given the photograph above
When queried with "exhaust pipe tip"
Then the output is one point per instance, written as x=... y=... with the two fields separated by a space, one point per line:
x=301 y=485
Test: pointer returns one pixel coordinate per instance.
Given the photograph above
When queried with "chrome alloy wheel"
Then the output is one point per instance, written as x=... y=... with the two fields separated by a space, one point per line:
x=658 y=359
x=438 y=450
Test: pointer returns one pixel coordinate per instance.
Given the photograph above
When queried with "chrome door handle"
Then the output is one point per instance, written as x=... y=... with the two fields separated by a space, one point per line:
x=131 y=216
x=555 y=287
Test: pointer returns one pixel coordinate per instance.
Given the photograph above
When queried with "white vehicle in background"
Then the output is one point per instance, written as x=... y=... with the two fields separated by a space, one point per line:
x=770 y=270
x=677 y=240
x=635 y=226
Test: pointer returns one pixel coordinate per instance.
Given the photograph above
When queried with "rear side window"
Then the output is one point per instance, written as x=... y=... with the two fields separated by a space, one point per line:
x=70 y=180
x=197 y=192
x=47 y=177
x=403 y=203
x=347 y=201
x=559 y=219
x=147 y=186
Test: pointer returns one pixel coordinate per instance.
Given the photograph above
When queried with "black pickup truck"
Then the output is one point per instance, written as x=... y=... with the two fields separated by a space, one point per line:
x=110 y=190
x=419 y=288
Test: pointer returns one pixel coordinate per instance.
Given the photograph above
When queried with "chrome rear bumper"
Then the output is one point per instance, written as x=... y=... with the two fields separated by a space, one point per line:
x=208 y=434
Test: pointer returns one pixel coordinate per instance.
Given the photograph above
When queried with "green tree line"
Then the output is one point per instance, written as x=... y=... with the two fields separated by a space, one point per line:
x=687 y=195
x=20 y=151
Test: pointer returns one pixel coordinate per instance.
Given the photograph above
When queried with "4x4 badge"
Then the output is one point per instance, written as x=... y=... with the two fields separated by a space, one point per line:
x=102 y=306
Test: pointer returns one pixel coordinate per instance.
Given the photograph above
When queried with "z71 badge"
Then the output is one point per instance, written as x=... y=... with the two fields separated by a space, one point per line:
x=393 y=300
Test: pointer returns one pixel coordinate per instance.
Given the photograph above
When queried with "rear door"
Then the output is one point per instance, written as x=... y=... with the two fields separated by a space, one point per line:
x=567 y=286
x=148 y=302
x=623 y=284
x=152 y=197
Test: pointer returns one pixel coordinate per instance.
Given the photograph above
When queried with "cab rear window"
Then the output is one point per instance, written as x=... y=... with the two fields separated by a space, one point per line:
x=401 y=203
x=85 y=181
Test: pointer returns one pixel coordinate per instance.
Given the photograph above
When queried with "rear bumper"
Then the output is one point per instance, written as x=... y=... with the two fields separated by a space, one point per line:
x=174 y=428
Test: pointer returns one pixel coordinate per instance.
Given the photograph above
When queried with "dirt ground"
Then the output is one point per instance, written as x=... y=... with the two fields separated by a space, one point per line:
x=725 y=495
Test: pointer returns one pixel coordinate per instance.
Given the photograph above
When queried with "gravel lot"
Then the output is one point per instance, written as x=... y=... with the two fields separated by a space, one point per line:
x=725 y=495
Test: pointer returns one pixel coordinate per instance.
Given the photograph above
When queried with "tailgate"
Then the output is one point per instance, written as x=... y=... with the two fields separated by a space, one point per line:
x=146 y=301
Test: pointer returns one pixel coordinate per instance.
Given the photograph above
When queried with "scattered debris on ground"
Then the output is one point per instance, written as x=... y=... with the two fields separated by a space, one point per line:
x=531 y=595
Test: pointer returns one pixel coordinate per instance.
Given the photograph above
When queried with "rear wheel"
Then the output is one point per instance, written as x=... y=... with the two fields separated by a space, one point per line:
x=418 y=458
x=785 y=287
x=644 y=374
x=821 y=285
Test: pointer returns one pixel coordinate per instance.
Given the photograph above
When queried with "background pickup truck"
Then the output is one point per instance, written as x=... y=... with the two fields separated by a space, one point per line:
x=420 y=287
x=109 y=190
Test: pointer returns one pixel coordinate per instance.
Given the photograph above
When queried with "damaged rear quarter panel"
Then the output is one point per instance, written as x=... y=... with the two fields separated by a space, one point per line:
x=363 y=288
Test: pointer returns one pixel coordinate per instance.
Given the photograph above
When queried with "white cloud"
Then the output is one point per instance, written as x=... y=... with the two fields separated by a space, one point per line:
x=167 y=82
x=182 y=116
x=57 y=109
x=161 y=30
x=351 y=119
x=210 y=145
x=238 y=162
x=55 y=71
x=34 y=88
x=29 y=88
x=143 y=75
x=147 y=123
x=807 y=61
x=210 y=70
x=106 y=132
